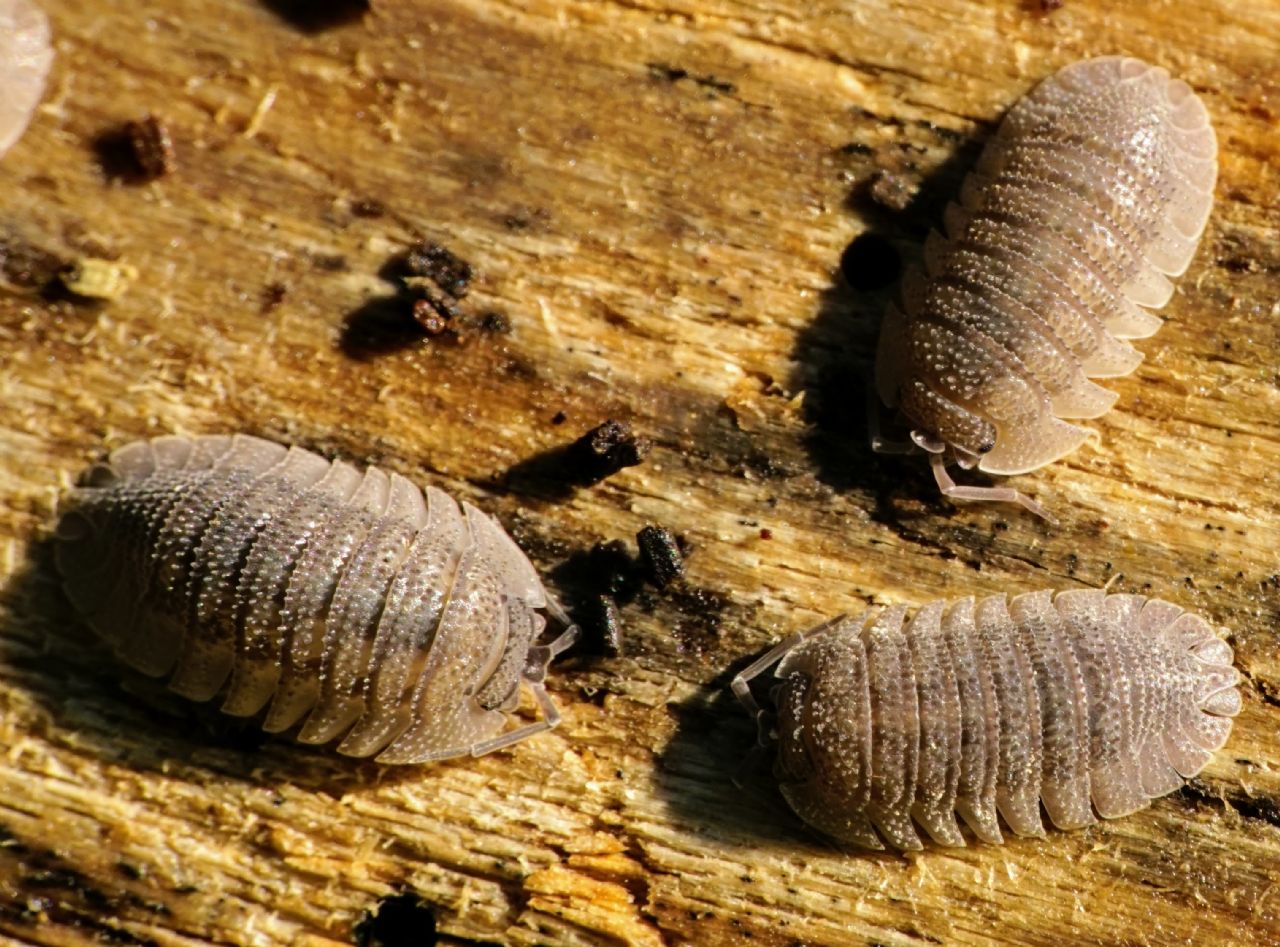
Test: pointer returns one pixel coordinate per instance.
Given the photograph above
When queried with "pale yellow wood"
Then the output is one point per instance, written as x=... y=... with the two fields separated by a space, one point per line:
x=657 y=197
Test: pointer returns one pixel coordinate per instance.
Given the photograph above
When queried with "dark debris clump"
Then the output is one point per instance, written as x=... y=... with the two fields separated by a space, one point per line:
x=152 y=146
x=447 y=270
x=606 y=449
x=609 y=577
x=660 y=552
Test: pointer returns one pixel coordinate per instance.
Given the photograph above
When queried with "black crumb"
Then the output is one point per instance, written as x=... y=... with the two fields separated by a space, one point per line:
x=444 y=268
x=152 y=146
x=368 y=208
x=608 y=448
x=604 y=624
x=495 y=323
x=660 y=554
x=330 y=262
x=401 y=920
x=559 y=418
x=597 y=582
x=430 y=283
x=273 y=294
x=664 y=73
x=559 y=471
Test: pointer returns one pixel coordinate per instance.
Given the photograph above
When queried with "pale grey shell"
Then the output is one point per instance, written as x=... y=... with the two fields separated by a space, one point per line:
x=342 y=598
x=995 y=706
x=25 y=57
x=1096 y=187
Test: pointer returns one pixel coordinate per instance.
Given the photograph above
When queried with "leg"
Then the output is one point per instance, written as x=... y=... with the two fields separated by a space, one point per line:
x=878 y=443
x=741 y=684
x=556 y=611
x=550 y=718
x=997 y=494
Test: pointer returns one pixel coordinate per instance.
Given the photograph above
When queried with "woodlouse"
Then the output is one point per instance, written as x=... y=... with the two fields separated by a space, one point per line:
x=334 y=595
x=1096 y=187
x=25 y=57
x=993 y=706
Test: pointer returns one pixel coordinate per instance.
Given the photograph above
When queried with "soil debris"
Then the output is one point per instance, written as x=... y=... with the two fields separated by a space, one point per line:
x=660 y=552
x=445 y=269
x=94 y=278
x=606 y=449
x=152 y=146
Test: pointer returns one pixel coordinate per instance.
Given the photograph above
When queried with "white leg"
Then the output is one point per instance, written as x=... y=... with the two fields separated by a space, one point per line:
x=878 y=443
x=535 y=670
x=741 y=683
x=996 y=494
x=742 y=680
x=556 y=611
x=550 y=717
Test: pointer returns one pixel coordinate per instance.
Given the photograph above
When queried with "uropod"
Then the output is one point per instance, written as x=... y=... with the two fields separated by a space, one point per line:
x=344 y=600
x=1082 y=701
x=1095 y=189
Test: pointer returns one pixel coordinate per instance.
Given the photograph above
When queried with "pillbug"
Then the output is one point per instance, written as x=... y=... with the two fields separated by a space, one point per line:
x=1095 y=188
x=993 y=706
x=341 y=598
x=25 y=57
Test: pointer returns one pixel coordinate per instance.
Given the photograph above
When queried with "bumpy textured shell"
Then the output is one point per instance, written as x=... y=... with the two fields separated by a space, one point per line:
x=996 y=706
x=338 y=596
x=25 y=56
x=1096 y=187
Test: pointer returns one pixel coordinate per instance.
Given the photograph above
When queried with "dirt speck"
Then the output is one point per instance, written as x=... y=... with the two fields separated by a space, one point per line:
x=152 y=146
x=445 y=269
x=495 y=323
x=26 y=266
x=368 y=208
x=892 y=190
x=273 y=294
x=661 y=72
x=660 y=552
x=434 y=316
x=608 y=448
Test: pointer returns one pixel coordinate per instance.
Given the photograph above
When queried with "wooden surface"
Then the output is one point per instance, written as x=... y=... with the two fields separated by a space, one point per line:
x=656 y=196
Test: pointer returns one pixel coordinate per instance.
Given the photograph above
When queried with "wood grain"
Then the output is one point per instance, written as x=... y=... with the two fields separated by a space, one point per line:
x=656 y=196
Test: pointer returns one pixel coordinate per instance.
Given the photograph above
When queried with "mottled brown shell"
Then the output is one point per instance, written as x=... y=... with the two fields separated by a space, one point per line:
x=994 y=706
x=339 y=598
x=1096 y=187
x=25 y=56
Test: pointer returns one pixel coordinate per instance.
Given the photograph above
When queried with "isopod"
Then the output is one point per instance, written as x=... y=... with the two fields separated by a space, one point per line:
x=343 y=599
x=1096 y=187
x=993 y=706
x=25 y=57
